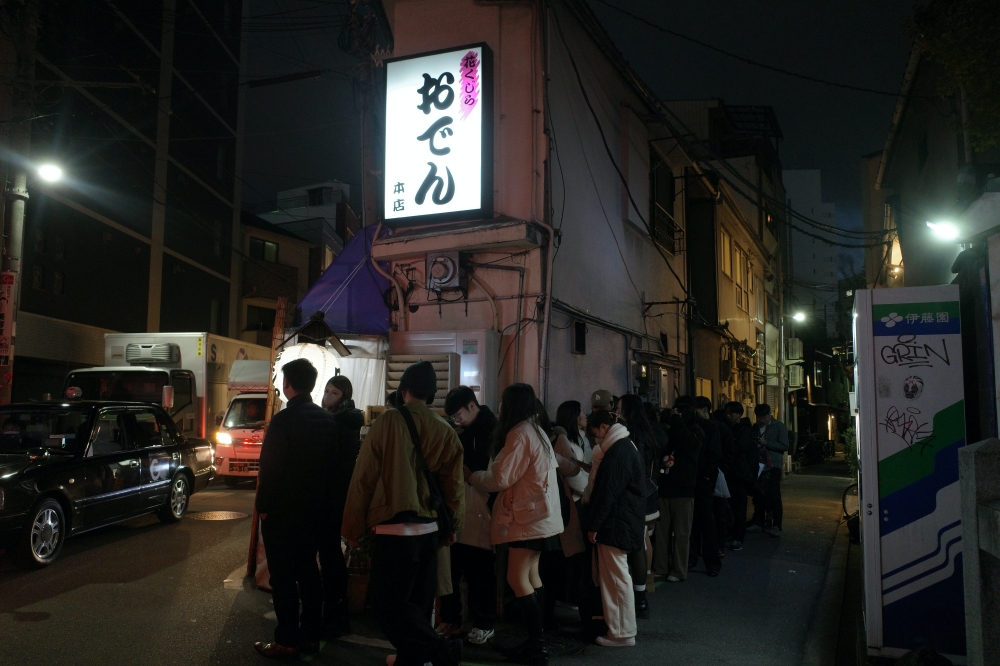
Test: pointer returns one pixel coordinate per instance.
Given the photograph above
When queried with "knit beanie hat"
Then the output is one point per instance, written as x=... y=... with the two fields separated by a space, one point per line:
x=420 y=378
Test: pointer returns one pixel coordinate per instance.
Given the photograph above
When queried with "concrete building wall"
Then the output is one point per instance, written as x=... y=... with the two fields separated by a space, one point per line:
x=604 y=266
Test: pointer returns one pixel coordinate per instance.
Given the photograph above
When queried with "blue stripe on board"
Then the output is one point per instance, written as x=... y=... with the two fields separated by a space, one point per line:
x=925 y=574
x=925 y=557
x=918 y=499
x=952 y=327
x=933 y=617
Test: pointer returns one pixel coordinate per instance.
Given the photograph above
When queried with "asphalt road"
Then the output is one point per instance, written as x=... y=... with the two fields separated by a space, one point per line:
x=146 y=593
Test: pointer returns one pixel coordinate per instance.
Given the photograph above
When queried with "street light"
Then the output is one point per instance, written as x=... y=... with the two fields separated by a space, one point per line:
x=50 y=173
x=945 y=231
x=799 y=316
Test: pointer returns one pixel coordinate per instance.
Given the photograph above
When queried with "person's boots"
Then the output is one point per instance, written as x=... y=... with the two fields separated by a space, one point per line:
x=548 y=604
x=641 y=605
x=532 y=652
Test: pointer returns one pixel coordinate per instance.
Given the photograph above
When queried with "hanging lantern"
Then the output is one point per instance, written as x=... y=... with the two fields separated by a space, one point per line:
x=324 y=360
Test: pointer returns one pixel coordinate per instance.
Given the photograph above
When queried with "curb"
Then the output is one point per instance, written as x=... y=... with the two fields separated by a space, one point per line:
x=824 y=626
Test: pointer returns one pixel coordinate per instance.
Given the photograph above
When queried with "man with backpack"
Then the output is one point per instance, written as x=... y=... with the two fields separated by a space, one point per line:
x=409 y=473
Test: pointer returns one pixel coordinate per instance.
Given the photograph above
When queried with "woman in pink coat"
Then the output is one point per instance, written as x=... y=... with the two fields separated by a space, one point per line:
x=526 y=513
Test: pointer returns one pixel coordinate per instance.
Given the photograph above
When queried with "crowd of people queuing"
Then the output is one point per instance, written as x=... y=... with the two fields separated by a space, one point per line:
x=584 y=511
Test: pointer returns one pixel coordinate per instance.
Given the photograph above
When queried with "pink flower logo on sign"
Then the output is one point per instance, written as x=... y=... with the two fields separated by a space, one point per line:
x=469 y=80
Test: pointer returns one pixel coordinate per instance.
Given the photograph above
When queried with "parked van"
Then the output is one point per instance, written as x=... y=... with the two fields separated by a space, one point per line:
x=241 y=430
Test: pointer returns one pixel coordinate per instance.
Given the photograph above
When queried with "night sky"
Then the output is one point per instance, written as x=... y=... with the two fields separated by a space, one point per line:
x=307 y=131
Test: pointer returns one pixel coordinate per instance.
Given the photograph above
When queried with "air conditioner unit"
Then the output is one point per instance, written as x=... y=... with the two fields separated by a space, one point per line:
x=445 y=270
x=446 y=366
x=794 y=349
x=795 y=377
x=157 y=352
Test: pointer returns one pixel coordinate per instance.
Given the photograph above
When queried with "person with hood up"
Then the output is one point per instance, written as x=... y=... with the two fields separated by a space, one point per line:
x=391 y=495
x=526 y=513
x=337 y=399
x=616 y=522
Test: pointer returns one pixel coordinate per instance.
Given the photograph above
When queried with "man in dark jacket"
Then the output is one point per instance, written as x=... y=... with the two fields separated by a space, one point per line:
x=296 y=461
x=704 y=534
x=616 y=521
x=742 y=473
x=677 y=476
x=476 y=423
x=720 y=505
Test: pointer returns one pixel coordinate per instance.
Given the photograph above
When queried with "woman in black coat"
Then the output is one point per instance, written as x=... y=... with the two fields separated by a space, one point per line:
x=616 y=523
x=338 y=400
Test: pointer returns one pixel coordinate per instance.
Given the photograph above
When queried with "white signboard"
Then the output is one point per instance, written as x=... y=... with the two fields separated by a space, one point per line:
x=911 y=424
x=439 y=136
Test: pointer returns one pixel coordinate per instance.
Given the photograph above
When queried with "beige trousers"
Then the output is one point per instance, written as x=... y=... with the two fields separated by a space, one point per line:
x=617 y=595
x=671 y=557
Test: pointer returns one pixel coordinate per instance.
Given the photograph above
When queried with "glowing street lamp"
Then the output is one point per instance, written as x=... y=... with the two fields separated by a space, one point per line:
x=945 y=231
x=50 y=173
x=799 y=316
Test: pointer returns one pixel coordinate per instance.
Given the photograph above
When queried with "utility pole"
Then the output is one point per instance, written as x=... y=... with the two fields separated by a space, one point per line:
x=18 y=37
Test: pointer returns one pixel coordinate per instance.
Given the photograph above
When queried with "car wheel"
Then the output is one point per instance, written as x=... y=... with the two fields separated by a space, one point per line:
x=177 y=500
x=43 y=535
x=231 y=481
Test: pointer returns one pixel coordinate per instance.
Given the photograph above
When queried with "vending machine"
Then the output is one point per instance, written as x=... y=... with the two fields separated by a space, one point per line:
x=910 y=421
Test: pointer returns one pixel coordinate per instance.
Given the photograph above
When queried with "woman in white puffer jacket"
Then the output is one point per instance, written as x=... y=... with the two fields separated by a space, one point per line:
x=526 y=514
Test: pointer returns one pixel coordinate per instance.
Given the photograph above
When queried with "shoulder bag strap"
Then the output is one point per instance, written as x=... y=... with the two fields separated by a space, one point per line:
x=421 y=461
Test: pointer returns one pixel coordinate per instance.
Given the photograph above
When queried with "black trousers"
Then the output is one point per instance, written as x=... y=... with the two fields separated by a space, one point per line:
x=738 y=506
x=291 y=561
x=478 y=565
x=334 y=570
x=720 y=508
x=402 y=585
x=767 y=509
x=704 y=538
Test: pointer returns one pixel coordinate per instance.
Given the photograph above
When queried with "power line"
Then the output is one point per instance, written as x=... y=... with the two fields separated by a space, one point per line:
x=748 y=61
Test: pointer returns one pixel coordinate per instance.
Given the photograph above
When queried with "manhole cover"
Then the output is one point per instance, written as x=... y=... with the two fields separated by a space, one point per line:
x=217 y=515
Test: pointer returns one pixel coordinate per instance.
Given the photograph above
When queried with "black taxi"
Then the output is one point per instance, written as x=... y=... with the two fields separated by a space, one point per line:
x=70 y=467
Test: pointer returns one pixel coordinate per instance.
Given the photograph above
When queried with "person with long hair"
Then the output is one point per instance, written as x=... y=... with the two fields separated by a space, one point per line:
x=338 y=399
x=616 y=523
x=633 y=413
x=526 y=514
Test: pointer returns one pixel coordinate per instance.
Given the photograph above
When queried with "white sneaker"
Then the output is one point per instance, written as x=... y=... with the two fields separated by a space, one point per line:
x=610 y=641
x=673 y=579
x=479 y=636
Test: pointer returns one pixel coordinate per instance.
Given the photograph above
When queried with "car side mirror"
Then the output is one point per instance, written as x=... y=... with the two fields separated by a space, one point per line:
x=168 y=397
x=218 y=420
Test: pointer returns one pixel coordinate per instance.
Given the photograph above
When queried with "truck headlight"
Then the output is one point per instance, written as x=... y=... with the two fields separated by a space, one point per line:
x=223 y=438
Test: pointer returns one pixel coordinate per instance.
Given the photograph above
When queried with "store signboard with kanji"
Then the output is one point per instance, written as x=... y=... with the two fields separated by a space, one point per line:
x=439 y=136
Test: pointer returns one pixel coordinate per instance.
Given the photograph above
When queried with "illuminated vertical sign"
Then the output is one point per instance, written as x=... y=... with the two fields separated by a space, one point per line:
x=439 y=136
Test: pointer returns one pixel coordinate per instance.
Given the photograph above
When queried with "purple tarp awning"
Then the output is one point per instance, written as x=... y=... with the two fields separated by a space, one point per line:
x=349 y=292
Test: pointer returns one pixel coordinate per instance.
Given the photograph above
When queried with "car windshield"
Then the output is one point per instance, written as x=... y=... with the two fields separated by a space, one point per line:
x=56 y=429
x=246 y=413
x=137 y=385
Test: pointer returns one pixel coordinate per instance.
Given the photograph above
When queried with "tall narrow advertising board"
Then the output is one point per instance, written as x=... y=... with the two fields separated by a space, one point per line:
x=910 y=425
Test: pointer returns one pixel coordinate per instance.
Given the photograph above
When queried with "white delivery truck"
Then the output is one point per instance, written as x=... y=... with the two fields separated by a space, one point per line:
x=138 y=365
x=237 y=443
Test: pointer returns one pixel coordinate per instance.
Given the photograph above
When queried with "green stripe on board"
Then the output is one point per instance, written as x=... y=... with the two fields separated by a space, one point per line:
x=916 y=461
